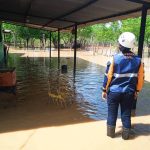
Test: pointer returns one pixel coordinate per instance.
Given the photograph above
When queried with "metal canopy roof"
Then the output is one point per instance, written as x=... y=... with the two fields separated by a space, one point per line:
x=63 y=14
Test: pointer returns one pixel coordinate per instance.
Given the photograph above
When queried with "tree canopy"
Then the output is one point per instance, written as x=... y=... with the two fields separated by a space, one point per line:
x=99 y=33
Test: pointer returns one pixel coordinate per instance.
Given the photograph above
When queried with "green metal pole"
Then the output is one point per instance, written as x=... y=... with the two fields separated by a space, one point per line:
x=142 y=31
x=50 y=45
x=75 y=49
x=1 y=45
x=58 y=49
x=50 y=48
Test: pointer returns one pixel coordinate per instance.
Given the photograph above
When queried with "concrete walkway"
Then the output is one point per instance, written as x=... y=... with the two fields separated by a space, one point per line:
x=83 y=134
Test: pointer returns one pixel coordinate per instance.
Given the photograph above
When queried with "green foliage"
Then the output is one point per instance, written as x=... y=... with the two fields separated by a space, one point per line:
x=85 y=35
x=66 y=39
x=131 y=25
x=147 y=33
x=99 y=33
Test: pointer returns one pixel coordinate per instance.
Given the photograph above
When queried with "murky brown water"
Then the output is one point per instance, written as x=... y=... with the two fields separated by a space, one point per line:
x=37 y=79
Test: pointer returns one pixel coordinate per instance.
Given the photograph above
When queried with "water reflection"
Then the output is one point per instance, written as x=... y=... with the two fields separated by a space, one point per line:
x=88 y=85
x=35 y=80
x=60 y=91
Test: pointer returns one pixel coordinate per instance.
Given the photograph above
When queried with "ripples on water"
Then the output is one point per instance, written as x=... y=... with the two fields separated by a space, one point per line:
x=35 y=80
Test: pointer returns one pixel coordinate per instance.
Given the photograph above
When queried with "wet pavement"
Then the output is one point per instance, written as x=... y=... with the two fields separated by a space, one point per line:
x=37 y=122
x=38 y=78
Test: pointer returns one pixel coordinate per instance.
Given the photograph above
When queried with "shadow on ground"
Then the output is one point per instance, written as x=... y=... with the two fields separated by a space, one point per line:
x=138 y=129
x=33 y=109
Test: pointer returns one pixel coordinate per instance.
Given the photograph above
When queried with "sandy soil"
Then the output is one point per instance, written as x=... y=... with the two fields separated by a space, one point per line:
x=40 y=126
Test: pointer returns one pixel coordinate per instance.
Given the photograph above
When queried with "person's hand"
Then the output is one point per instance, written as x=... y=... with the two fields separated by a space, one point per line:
x=104 y=95
x=136 y=94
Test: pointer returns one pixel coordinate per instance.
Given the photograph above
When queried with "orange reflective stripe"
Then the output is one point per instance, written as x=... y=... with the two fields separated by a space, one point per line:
x=140 y=78
x=110 y=74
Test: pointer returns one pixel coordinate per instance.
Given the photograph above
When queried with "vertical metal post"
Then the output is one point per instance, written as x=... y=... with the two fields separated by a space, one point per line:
x=142 y=31
x=1 y=45
x=50 y=48
x=27 y=44
x=58 y=49
x=1 y=37
x=75 y=48
x=4 y=37
x=14 y=39
x=50 y=45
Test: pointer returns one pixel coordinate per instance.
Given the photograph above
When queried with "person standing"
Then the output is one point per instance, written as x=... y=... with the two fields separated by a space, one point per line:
x=122 y=84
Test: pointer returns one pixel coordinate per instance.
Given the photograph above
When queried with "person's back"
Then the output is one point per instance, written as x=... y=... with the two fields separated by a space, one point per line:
x=126 y=66
x=124 y=80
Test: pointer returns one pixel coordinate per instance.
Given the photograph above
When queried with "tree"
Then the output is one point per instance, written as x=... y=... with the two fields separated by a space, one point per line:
x=67 y=39
x=99 y=33
x=84 y=35
x=131 y=25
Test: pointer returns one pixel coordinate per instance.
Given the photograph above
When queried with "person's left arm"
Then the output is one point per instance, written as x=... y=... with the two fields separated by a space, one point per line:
x=107 y=78
x=140 y=82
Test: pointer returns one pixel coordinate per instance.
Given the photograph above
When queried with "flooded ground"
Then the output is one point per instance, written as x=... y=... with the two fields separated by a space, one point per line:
x=41 y=121
x=38 y=78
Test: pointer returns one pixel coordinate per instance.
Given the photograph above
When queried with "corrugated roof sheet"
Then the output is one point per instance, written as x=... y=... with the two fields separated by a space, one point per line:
x=59 y=14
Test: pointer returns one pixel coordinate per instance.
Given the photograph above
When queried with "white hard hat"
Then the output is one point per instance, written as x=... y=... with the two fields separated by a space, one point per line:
x=127 y=39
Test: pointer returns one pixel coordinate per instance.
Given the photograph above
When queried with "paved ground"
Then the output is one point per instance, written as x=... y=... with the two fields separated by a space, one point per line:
x=77 y=132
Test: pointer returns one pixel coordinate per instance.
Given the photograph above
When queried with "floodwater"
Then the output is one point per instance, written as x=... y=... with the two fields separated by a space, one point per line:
x=38 y=78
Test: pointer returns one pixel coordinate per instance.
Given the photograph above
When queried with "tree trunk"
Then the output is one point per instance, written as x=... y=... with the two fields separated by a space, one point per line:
x=24 y=43
x=20 y=43
x=27 y=40
x=45 y=43
x=32 y=43
x=55 y=43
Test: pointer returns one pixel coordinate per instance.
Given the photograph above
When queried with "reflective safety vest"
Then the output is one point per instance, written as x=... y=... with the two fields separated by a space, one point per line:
x=125 y=73
x=105 y=76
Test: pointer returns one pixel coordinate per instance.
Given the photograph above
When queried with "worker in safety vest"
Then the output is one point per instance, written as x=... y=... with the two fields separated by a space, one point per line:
x=122 y=83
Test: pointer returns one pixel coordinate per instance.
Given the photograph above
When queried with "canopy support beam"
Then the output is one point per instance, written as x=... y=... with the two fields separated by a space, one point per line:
x=28 y=10
x=1 y=45
x=106 y=17
x=58 y=48
x=75 y=49
x=112 y=16
x=2 y=12
x=142 y=31
x=50 y=44
x=140 y=2
x=71 y=12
